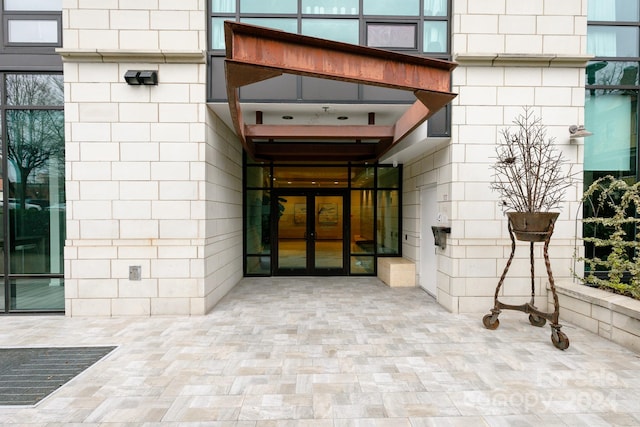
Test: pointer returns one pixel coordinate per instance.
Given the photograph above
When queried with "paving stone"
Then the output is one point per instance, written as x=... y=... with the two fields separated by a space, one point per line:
x=320 y=352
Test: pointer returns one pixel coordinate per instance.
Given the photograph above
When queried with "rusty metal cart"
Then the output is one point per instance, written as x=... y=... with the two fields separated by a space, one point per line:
x=536 y=316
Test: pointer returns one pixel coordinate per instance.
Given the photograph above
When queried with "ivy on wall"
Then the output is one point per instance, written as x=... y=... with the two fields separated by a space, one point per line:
x=612 y=230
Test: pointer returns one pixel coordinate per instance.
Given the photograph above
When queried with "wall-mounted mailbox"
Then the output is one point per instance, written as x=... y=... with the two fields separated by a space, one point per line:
x=440 y=235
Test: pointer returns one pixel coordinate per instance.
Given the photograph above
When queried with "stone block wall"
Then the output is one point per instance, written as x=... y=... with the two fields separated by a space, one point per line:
x=511 y=54
x=153 y=180
x=611 y=316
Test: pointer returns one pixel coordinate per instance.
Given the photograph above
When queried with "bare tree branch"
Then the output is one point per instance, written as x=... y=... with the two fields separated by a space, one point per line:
x=529 y=171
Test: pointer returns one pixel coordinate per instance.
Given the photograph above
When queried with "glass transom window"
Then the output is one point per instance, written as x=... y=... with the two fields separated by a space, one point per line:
x=32 y=31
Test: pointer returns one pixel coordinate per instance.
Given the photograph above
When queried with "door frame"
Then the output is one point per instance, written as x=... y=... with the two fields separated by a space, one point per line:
x=310 y=194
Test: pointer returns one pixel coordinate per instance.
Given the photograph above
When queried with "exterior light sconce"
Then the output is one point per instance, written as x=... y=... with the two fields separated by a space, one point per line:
x=144 y=77
x=578 y=132
x=440 y=235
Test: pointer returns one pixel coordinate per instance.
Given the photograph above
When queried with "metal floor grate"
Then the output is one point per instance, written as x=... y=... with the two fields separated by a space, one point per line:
x=28 y=375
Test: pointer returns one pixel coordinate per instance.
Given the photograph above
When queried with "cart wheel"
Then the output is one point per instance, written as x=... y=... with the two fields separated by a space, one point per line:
x=560 y=340
x=537 y=320
x=486 y=321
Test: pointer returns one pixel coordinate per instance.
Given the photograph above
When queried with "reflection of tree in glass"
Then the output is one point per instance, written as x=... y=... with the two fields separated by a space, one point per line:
x=34 y=136
x=35 y=89
x=611 y=73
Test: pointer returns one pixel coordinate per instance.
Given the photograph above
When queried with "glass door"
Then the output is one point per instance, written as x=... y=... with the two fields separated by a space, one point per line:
x=310 y=233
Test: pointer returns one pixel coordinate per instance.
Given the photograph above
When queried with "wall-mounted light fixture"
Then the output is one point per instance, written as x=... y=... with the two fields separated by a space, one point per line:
x=141 y=77
x=578 y=132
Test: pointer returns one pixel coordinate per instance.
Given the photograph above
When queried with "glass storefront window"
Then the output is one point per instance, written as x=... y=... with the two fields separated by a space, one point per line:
x=435 y=7
x=388 y=221
x=223 y=6
x=435 y=36
x=612 y=10
x=323 y=214
x=257 y=222
x=391 y=35
x=32 y=31
x=388 y=177
x=289 y=25
x=384 y=8
x=269 y=6
x=35 y=90
x=217 y=32
x=330 y=7
x=612 y=117
x=35 y=159
x=257 y=176
x=364 y=265
x=611 y=41
x=612 y=73
x=37 y=294
x=258 y=265
x=342 y=30
x=32 y=197
x=362 y=222
x=310 y=177
x=362 y=177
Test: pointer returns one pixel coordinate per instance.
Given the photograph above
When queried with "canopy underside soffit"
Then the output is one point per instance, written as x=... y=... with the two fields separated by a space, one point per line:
x=254 y=54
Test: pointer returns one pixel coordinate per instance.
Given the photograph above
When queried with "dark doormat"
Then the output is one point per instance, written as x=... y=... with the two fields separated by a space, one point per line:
x=28 y=375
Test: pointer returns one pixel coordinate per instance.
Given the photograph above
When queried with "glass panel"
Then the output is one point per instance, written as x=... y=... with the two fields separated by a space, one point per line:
x=362 y=265
x=362 y=237
x=334 y=7
x=292 y=233
x=269 y=6
x=612 y=73
x=612 y=117
x=258 y=231
x=259 y=265
x=435 y=36
x=35 y=142
x=32 y=31
x=342 y=30
x=391 y=8
x=35 y=89
x=329 y=228
x=217 y=32
x=362 y=177
x=284 y=24
x=310 y=177
x=391 y=35
x=612 y=10
x=37 y=294
x=435 y=7
x=223 y=6
x=388 y=222
x=257 y=176
x=612 y=41
x=43 y=5
x=388 y=177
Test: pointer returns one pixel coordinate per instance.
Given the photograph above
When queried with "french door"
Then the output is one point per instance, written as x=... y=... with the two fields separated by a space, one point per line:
x=310 y=232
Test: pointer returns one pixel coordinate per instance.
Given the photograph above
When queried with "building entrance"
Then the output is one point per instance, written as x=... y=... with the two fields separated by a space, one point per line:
x=320 y=219
x=311 y=233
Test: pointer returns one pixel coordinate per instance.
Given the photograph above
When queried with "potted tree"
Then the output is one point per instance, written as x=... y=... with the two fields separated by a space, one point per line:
x=531 y=178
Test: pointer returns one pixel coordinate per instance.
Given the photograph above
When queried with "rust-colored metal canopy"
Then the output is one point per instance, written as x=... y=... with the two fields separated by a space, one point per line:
x=254 y=54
